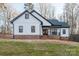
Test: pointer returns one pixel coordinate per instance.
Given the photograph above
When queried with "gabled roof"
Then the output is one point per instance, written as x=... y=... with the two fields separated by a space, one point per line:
x=32 y=15
x=24 y=13
x=58 y=23
x=53 y=22
x=41 y=16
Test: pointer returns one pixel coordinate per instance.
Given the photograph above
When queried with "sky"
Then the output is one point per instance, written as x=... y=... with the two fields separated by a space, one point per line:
x=19 y=7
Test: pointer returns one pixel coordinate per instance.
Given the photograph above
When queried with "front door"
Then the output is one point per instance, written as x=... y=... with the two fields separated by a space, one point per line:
x=45 y=31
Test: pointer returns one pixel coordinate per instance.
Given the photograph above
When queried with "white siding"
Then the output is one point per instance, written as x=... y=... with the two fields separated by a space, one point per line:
x=45 y=23
x=67 y=32
x=27 y=23
x=60 y=30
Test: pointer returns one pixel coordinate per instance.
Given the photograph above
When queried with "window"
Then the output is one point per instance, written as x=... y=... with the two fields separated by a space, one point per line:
x=54 y=31
x=20 y=29
x=32 y=29
x=64 y=31
x=26 y=16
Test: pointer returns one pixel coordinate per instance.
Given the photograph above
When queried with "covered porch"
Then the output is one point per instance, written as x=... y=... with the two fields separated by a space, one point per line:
x=57 y=29
x=50 y=32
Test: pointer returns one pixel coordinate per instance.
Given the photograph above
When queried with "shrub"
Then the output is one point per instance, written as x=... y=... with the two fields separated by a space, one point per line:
x=74 y=37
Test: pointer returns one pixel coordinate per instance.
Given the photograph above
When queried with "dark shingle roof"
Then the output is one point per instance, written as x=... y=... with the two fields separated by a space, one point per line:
x=57 y=23
x=63 y=24
x=54 y=21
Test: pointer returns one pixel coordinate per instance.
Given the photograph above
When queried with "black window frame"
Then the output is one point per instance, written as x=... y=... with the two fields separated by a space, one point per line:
x=20 y=29
x=32 y=29
x=27 y=16
x=64 y=31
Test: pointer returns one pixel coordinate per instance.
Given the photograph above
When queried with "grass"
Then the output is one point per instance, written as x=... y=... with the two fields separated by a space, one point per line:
x=15 y=48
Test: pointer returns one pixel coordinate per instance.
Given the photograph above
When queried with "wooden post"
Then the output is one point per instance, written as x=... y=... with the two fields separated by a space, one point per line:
x=50 y=30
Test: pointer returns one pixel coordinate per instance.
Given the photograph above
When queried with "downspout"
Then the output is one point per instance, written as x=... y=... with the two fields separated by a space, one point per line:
x=13 y=32
x=41 y=29
x=50 y=30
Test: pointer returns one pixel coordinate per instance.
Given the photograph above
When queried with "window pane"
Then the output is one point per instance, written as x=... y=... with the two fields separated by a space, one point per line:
x=26 y=16
x=54 y=31
x=20 y=29
x=32 y=29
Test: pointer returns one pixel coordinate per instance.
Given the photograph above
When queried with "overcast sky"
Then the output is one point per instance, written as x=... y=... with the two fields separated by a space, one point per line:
x=20 y=7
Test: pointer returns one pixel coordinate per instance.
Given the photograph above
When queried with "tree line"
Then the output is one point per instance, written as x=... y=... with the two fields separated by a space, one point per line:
x=70 y=14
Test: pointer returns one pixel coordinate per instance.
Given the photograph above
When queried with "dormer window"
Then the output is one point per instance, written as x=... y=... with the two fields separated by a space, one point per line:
x=27 y=16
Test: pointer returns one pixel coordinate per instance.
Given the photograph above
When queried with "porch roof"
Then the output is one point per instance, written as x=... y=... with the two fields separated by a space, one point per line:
x=58 y=24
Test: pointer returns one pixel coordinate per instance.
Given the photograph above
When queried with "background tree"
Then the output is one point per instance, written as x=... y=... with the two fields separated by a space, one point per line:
x=30 y=6
x=70 y=14
x=8 y=14
x=47 y=10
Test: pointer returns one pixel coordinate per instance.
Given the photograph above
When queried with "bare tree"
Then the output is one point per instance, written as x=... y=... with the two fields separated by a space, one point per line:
x=2 y=10
x=51 y=12
x=30 y=6
x=47 y=10
x=70 y=14
x=8 y=13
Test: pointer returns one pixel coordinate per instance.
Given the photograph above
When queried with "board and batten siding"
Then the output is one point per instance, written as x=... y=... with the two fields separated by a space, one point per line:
x=27 y=23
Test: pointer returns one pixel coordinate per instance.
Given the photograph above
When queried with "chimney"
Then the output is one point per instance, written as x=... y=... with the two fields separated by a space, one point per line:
x=28 y=6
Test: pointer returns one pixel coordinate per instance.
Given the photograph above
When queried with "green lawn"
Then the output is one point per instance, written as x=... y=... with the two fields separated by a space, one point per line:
x=36 y=49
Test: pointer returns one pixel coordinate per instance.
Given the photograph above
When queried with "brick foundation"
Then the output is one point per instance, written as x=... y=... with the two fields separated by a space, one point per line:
x=64 y=38
x=27 y=37
x=9 y=36
x=54 y=37
x=6 y=36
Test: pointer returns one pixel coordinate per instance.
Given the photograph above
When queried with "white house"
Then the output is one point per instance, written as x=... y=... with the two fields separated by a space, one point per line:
x=30 y=24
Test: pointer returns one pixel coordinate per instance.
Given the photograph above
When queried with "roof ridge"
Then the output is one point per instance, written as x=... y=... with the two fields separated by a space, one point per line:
x=22 y=14
x=41 y=16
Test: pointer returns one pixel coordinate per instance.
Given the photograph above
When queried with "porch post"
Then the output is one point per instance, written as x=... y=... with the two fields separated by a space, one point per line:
x=50 y=30
x=57 y=31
